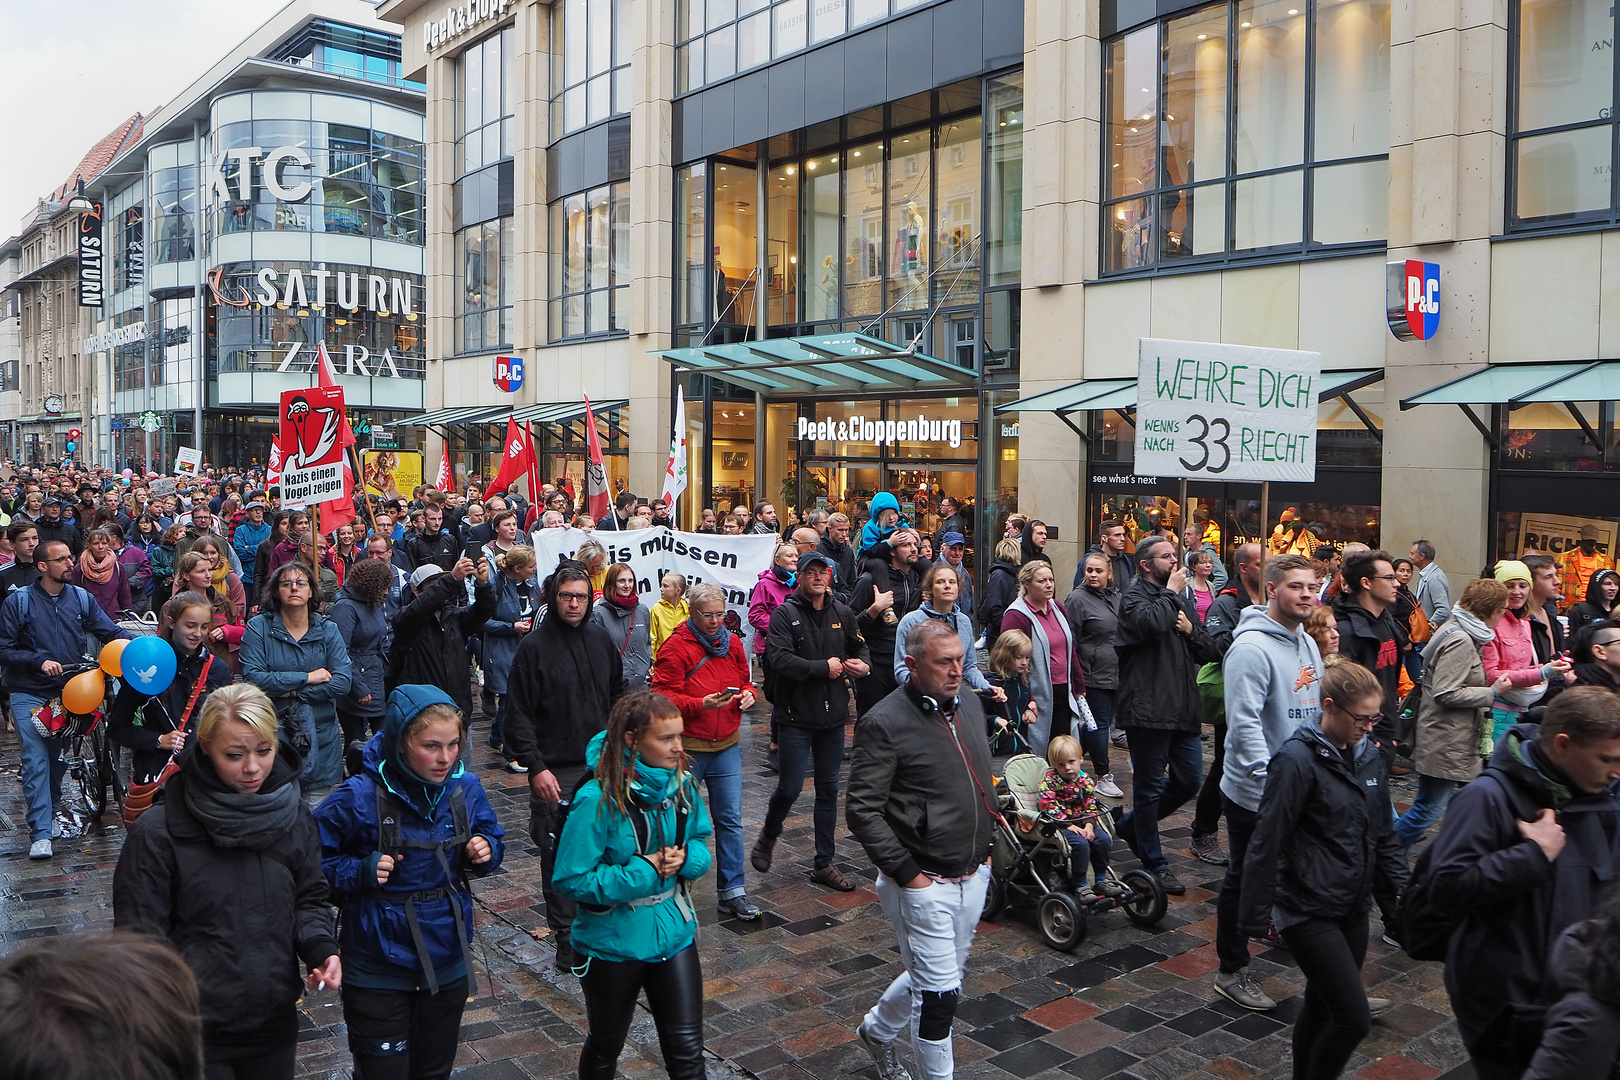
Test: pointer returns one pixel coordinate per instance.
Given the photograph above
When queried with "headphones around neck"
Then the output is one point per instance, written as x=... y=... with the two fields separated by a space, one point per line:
x=930 y=706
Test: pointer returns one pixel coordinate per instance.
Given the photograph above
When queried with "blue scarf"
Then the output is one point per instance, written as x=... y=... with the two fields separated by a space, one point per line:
x=717 y=646
x=786 y=577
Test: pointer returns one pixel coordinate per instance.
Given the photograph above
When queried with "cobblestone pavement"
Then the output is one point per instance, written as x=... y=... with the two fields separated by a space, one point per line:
x=783 y=994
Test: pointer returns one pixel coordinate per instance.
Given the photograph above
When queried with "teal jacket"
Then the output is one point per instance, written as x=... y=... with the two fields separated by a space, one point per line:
x=600 y=867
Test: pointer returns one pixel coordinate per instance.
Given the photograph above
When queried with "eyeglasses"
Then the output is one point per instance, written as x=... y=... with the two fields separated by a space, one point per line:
x=1361 y=718
x=294 y=583
x=709 y=614
x=573 y=597
x=63 y=558
x=1606 y=644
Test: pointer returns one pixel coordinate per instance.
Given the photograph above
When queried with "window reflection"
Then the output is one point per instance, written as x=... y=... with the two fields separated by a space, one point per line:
x=590 y=244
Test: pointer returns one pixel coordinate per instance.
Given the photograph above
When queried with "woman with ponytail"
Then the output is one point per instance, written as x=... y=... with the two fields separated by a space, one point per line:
x=635 y=928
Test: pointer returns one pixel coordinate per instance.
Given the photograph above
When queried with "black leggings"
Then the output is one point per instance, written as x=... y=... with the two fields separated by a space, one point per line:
x=675 y=996
x=231 y=1062
x=1335 y=1018
x=404 y=1034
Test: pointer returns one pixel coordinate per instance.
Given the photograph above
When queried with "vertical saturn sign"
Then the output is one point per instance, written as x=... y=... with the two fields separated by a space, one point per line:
x=1230 y=412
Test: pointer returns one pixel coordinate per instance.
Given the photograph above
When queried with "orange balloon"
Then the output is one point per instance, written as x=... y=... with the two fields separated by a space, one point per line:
x=112 y=657
x=84 y=692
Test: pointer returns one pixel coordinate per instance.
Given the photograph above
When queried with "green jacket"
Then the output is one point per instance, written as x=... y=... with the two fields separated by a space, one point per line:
x=599 y=865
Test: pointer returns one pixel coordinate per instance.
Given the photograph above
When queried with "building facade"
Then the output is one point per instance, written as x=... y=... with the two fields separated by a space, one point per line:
x=880 y=245
x=274 y=207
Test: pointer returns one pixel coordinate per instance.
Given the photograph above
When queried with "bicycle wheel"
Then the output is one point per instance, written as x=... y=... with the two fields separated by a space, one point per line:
x=92 y=780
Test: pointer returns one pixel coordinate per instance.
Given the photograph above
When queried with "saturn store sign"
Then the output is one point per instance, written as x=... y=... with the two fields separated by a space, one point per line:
x=882 y=432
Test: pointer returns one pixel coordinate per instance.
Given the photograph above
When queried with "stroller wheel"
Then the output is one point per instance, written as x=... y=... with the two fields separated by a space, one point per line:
x=1146 y=902
x=1062 y=921
x=995 y=898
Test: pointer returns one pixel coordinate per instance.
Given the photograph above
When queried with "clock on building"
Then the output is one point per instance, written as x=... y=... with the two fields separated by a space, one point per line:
x=53 y=404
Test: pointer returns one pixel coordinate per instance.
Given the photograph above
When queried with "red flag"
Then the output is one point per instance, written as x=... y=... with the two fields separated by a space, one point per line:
x=326 y=375
x=535 y=506
x=272 y=468
x=339 y=511
x=514 y=460
x=597 y=500
x=443 y=483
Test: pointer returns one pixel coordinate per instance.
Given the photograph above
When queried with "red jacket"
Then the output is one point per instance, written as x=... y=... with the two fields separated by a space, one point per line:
x=677 y=676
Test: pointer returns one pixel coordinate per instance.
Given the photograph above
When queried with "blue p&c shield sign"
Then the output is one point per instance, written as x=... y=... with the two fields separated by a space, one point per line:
x=1412 y=296
x=508 y=373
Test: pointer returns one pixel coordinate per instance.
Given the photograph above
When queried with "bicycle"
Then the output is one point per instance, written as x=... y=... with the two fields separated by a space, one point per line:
x=89 y=759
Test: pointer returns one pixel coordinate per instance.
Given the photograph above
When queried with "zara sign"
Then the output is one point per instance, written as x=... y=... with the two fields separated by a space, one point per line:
x=1412 y=299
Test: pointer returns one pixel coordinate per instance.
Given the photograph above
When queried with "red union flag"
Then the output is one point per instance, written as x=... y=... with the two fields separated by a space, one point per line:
x=443 y=482
x=312 y=424
x=514 y=459
x=272 y=470
x=598 y=502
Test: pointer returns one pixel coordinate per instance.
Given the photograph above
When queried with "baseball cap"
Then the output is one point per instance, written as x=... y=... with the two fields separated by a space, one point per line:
x=952 y=538
x=816 y=558
x=1589 y=532
x=425 y=573
x=255 y=505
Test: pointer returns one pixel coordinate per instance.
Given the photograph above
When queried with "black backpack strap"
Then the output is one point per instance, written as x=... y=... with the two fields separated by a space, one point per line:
x=1520 y=803
x=389 y=809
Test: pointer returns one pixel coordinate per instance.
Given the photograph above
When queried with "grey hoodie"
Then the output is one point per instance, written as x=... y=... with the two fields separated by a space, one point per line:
x=1272 y=679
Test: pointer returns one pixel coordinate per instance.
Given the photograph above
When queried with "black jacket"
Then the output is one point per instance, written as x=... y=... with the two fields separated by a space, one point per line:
x=65 y=531
x=18 y=575
x=1324 y=845
x=473 y=542
x=843 y=560
x=430 y=638
x=1221 y=620
x=878 y=632
x=1094 y=616
x=1377 y=644
x=1158 y=665
x=248 y=922
x=1513 y=904
x=1000 y=589
x=1591 y=609
x=564 y=680
x=919 y=787
x=798 y=644
x=440 y=548
x=1124 y=568
x=160 y=714
x=1581 y=1031
x=1026 y=544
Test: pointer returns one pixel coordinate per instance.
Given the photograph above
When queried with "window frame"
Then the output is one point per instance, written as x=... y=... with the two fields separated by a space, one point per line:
x=1226 y=184
x=615 y=293
x=616 y=75
x=505 y=121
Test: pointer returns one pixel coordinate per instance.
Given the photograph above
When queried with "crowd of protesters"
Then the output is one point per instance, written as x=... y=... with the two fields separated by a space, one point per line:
x=341 y=670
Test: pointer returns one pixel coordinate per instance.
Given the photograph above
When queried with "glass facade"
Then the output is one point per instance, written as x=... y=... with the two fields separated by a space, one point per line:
x=590 y=262
x=174 y=208
x=484 y=290
x=590 y=63
x=1562 y=149
x=361 y=182
x=721 y=38
x=485 y=102
x=1209 y=151
x=350 y=51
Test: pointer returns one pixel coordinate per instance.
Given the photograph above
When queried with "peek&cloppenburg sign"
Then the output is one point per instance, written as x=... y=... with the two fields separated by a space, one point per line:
x=1235 y=412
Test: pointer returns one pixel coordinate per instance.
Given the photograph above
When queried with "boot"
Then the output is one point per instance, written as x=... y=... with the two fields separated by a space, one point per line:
x=760 y=857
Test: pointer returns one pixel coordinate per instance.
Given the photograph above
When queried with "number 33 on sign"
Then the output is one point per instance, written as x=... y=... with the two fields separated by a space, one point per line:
x=1236 y=412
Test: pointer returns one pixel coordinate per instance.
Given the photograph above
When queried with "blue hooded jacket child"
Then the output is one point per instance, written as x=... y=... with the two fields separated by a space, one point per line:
x=872 y=532
x=377 y=943
x=599 y=865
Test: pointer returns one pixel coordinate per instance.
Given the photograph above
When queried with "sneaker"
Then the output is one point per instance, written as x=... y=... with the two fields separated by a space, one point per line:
x=1109 y=889
x=1392 y=941
x=1208 y=848
x=760 y=857
x=739 y=907
x=516 y=767
x=833 y=878
x=1379 y=1006
x=1171 y=883
x=1119 y=741
x=888 y=1062
x=56 y=828
x=1108 y=789
x=41 y=849
x=1241 y=990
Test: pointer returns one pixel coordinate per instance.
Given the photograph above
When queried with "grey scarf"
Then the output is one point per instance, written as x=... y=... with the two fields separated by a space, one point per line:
x=244 y=821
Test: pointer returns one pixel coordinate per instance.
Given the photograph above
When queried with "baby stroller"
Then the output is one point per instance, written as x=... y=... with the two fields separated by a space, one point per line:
x=1030 y=867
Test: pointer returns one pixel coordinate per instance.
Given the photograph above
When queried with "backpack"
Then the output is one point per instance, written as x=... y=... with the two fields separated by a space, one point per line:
x=638 y=822
x=390 y=809
x=1426 y=925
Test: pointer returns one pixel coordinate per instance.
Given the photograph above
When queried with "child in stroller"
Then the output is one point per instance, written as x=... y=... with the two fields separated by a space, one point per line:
x=1069 y=796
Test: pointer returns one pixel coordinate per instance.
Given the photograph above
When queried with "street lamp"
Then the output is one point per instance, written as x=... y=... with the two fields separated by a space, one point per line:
x=80 y=203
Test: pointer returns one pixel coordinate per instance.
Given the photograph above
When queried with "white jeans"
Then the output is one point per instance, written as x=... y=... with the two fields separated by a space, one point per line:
x=935 y=927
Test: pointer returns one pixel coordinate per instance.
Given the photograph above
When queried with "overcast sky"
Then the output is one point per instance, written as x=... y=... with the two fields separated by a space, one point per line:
x=76 y=70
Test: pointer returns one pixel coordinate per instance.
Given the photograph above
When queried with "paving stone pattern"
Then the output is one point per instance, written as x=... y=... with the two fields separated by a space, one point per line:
x=783 y=994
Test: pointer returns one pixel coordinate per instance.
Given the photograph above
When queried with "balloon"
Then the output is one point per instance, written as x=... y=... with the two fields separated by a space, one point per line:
x=111 y=654
x=149 y=664
x=84 y=692
x=128 y=473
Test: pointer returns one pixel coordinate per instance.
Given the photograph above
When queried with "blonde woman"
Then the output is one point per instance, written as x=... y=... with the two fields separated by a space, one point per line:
x=227 y=868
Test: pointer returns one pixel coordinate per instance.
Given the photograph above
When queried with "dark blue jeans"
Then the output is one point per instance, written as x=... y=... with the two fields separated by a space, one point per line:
x=1231 y=943
x=797 y=749
x=1083 y=853
x=1166 y=768
x=1096 y=742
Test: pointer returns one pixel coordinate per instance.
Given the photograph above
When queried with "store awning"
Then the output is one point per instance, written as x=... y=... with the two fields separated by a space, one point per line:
x=548 y=413
x=1103 y=394
x=1503 y=384
x=845 y=364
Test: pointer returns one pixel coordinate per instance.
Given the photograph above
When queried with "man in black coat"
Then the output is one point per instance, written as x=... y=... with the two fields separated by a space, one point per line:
x=879 y=611
x=1370 y=635
x=565 y=677
x=433 y=544
x=1517 y=884
x=1161 y=646
x=52 y=527
x=834 y=544
x=431 y=632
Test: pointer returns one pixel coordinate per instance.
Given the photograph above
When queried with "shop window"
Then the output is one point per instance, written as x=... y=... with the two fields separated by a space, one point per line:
x=1561 y=152
x=736 y=242
x=1549 y=437
x=590 y=262
x=483 y=285
x=486 y=98
x=1207 y=148
x=1004 y=220
x=691 y=255
x=590 y=63
x=174 y=202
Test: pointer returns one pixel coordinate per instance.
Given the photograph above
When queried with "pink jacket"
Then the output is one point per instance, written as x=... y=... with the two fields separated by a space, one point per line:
x=1511 y=652
x=767 y=597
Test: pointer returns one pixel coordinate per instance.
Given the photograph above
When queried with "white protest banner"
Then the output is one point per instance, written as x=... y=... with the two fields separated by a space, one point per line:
x=187 y=460
x=163 y=485
x=732 y=562
x=1554 y=534
x=1234 y=412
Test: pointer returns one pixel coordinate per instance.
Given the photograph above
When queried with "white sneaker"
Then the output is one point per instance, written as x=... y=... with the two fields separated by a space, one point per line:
x=1108 y=789
x=883 y=1053
x=41 y=849
x=56 y=828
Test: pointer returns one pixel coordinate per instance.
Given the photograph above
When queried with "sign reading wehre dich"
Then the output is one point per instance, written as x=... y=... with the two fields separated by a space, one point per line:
x=1234 y=412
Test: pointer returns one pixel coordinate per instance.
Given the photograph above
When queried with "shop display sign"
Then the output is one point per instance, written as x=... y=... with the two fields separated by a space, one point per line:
x=508 y=374
x=460 y=19
x=92 y=266
x=311 y=421
x=1412 y=298
x=120 y=335
x=920 y=428
x=1234 y=412
x=1554 y=534
x=392 y=474
x=732 y=562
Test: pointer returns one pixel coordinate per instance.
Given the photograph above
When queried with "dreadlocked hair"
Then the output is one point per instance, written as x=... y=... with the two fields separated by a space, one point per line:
x=631 y=715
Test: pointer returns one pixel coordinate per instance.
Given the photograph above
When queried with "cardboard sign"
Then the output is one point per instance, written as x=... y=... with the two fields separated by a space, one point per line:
x=1227 y=412
x=1554 y=534
x=163 y=485
x=312 y=469
x=187 y=461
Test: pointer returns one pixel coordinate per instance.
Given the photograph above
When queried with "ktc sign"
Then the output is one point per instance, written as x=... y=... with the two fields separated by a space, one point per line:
x=244 y=156
x=1412 y=299
x=508 y=374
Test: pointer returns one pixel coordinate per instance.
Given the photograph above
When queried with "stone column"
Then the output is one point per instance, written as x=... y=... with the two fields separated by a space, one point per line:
x=652 y=230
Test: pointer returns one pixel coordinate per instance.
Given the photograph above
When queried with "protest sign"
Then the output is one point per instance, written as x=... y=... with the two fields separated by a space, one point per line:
x=311 y=422
x=187 y=460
